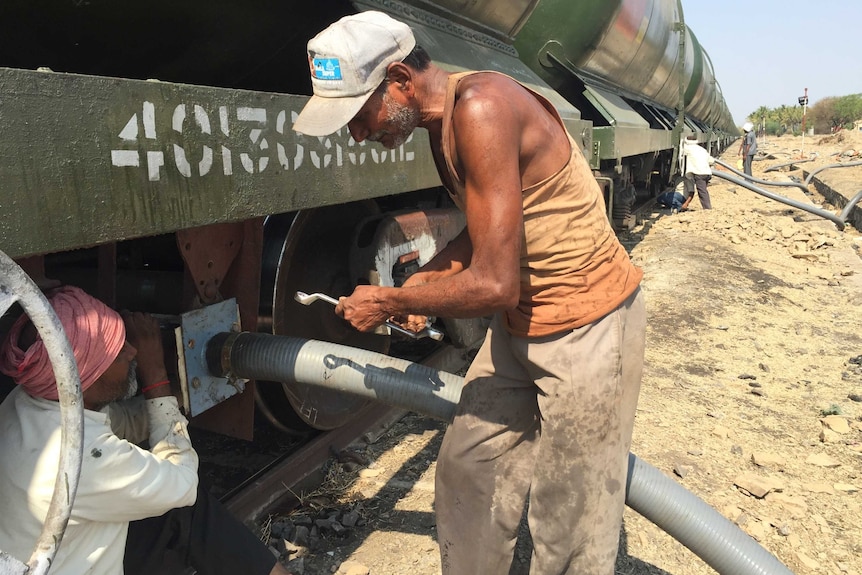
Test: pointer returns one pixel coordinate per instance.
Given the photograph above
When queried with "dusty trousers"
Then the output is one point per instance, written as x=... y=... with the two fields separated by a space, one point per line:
x=746 y=164
x=548 y=417
x=701 y=183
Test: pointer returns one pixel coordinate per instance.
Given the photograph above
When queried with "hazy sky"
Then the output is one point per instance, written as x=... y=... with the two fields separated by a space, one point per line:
x=766 y=52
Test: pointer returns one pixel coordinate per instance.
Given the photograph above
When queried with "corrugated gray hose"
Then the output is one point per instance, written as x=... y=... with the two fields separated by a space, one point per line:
x=414 y=387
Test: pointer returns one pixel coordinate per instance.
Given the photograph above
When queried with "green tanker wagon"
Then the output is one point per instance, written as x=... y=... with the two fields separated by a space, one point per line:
x=147 y=156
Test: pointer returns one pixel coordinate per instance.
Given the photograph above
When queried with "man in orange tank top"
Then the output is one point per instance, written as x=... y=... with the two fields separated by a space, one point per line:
x=549 y=401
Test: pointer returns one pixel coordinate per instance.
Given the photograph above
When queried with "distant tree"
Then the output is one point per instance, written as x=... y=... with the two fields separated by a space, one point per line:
x=821 y=115
x=825 y=115
x=847 y=110
x=773 y=122
x=759 y=118
x=773 y=128
x=784 y=117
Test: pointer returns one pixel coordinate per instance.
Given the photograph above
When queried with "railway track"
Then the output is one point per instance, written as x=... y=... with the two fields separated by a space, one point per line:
x=254 y=479
x=277 y=486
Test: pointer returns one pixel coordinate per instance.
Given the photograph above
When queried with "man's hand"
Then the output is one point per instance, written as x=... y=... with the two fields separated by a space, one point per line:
x=142 y=331
x=415 y=323
x=363 y=308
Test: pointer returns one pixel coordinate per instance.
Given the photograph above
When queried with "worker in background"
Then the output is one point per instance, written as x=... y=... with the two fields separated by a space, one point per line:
x=136 y=511
x=548 y=404
x=697 y=171
x=671 y=200
x=748 y=147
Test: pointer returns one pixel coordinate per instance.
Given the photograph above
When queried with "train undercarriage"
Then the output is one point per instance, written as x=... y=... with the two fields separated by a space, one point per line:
x=147 y=157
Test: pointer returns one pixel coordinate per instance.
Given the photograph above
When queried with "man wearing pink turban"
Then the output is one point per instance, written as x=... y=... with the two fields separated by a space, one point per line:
x=96 y=332
x=134 y=507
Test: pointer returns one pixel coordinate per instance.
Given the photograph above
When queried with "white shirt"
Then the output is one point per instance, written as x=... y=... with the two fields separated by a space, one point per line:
x=120 y=482
x=697 y=159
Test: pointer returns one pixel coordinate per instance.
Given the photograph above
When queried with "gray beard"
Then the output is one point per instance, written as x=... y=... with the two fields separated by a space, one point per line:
x=405 y=119
x=132 y=380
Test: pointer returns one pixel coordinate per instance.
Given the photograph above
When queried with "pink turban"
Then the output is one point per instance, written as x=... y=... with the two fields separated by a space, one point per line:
x=95 y=331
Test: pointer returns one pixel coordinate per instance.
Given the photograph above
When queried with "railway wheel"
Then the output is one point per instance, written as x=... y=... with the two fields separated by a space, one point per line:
x=308 y=251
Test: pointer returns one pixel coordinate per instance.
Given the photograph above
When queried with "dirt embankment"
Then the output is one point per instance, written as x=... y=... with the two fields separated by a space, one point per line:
x=753 y=378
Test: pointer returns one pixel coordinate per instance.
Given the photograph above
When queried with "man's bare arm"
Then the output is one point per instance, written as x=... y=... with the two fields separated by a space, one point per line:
x=488 y=131
x=452 y=259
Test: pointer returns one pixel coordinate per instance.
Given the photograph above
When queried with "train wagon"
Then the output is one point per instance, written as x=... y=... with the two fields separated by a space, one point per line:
x=147 y=155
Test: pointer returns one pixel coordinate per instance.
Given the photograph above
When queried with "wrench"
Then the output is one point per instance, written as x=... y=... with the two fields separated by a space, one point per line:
x=307 y=298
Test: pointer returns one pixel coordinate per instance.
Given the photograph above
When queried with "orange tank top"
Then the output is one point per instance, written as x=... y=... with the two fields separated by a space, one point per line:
x=573 y=268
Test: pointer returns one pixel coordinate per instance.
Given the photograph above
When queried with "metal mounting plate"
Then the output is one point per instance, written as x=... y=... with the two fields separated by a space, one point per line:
x=201 y=390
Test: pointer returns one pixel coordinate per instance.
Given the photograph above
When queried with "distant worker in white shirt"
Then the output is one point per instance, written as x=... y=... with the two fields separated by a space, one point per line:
x=137 y=511
x=696 y=167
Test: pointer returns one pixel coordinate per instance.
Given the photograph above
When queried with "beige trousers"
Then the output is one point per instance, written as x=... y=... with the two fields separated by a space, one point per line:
x=551 y=418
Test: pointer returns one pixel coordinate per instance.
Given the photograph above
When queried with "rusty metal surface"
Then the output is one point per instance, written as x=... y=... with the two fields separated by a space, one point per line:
x=209 y=252
x=394 y=236
x=235 y=416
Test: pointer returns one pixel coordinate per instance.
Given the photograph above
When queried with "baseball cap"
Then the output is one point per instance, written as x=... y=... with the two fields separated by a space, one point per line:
x=348 y=61
x=748 y=126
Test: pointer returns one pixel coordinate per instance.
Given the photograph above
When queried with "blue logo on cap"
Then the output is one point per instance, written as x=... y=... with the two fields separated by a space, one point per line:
x=326 y=68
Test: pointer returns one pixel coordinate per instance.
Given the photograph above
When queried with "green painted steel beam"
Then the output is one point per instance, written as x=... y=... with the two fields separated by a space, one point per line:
x=86 y=160
x=614 y=143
